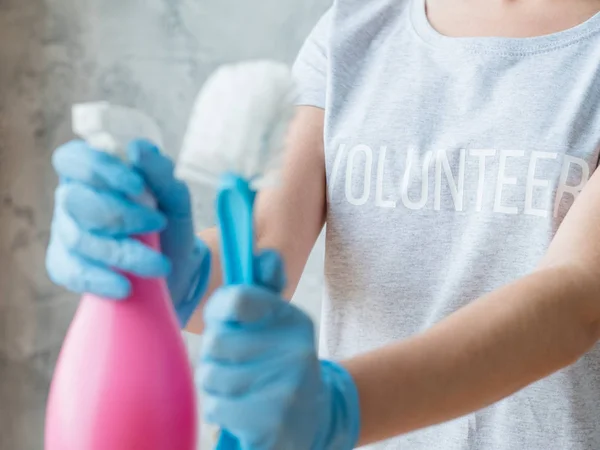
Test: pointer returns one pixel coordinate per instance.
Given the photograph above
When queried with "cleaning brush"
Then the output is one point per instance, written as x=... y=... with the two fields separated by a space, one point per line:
x=234 y=142
x=238 y=124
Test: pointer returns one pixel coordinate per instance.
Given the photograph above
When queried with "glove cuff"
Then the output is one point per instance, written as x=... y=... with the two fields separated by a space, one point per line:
x=344 y=409
x=199 y=264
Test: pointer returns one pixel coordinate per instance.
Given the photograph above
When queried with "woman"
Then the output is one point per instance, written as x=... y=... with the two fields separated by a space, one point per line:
x=450 y=146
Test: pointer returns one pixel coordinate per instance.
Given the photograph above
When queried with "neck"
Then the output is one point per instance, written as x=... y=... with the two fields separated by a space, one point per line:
x=508 y=18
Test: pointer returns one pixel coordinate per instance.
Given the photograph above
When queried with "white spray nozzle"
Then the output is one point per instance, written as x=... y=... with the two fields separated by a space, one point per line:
x=110 y=127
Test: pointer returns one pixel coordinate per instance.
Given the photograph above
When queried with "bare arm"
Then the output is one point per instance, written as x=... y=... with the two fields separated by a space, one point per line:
x=290 y=217
x=496 y=345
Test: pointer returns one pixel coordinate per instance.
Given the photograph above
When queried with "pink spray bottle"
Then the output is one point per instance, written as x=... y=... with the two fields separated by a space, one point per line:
x=123 y=380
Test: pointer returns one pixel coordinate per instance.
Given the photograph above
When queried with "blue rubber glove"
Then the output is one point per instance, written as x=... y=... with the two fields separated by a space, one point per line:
x=261 y=379
x=97 y=213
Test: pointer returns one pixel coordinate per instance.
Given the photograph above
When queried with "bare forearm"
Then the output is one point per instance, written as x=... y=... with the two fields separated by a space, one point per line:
x=496 y=345
x=479 y=355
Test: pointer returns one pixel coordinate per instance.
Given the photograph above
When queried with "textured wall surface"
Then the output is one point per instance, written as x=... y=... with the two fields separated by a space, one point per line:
x=149 y=54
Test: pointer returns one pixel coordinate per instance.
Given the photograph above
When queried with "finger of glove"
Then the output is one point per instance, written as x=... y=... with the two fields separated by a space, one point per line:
x=226 y=381
x=269 y=271
x=242 y=306
x=241 y=379
x=251 y=415
x=124 y=254
x=172 y=195
x=79 y=162
x=187 y=291
x=231 y=344
x=82 y=276
x=105 y=213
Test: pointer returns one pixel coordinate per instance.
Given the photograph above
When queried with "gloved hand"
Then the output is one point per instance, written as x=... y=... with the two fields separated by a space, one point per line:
x=97 y=213
x=261 y=379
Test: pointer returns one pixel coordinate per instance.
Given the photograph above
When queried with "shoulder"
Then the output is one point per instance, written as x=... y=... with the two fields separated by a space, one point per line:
x=369 y=14
x=356 y=24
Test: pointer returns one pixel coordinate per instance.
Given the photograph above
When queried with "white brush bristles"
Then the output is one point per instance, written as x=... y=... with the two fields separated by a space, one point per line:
x=238 y=124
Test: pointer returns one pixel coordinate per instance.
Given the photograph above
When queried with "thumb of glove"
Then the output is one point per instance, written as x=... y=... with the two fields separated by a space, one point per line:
x=269 y=271
x=158 y=171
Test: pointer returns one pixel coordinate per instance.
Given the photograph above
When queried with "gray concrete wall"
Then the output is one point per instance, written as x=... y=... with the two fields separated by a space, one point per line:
x=149 y=54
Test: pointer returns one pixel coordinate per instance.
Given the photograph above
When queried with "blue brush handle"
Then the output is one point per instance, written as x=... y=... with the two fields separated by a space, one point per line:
x=235 y=203
x=227 y=441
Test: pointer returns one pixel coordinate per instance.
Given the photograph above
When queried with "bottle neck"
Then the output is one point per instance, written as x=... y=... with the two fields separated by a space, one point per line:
x=152 y=240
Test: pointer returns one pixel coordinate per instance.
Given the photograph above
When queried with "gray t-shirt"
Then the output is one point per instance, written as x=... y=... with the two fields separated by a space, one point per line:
x=451 y=162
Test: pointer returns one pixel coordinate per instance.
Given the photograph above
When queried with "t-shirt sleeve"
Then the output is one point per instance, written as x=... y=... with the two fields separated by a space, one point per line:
x=311 y=67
